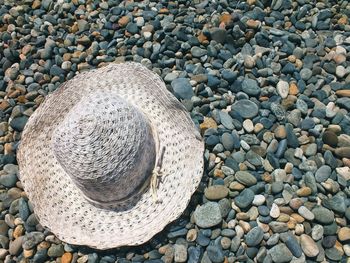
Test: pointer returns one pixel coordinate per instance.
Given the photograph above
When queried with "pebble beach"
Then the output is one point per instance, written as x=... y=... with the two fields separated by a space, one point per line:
x=267 y=83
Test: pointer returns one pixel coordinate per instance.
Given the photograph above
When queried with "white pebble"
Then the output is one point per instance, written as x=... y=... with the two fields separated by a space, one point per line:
x=259 y=200
x=340 y=71
x=248 y=125
x=245 y=145
x=283 y=88
x=275 y=211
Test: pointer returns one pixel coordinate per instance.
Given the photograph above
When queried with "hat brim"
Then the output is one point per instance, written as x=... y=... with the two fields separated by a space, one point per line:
x=62 y=207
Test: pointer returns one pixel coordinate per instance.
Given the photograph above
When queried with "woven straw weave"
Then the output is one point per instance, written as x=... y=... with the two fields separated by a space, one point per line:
x=96 y=140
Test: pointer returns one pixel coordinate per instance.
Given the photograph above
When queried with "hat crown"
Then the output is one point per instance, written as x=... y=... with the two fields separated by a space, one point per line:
x=106 y=146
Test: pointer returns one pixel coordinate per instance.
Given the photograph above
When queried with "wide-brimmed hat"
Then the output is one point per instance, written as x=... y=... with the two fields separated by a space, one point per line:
x=110 y=158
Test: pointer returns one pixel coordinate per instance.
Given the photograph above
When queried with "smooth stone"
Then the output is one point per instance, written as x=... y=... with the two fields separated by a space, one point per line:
x=228 y=141
x=306 y=74
x=323 y=215
x=283 y=89
x=8 y=180
x=18 y=123
x=216 y=192
x=317 y=232
x=3 y=228
x=334 y=254
x=180 y=253
x=16 y=246
x=292 y=243
x=55 y=250
x=343 y=152
x=306 y=213
x=215 y=254
x=292 y=140
x=23 y=209
x=208 y=215
x=323 y=173
x=273 y=240
x=329 y=241
x=309 y=246
x=56 y=71
x=182 y=88
x=278 y=227
x=330 y=229
x=280 y=253
x=344 y=234
x=226 y=120
x=275 y=211
x=197 y=52
x=330 y=138
x=259 y=200
x=202 y=240
x=194 y=254
x=250 y=87
x=335 y=203
x=245 y=178
x=245 y=108
x=32 y=239
x=254 y=236
x=244 y=199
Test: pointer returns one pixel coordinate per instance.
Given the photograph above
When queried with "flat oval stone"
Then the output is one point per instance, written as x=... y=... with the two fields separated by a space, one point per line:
x=309 y=246
x=323 y=215
x=245 y=108
x=245 y=178
x=216 y=192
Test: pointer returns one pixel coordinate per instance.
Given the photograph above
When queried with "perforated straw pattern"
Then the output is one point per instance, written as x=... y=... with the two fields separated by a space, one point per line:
x=46 y=152
x=103 y=165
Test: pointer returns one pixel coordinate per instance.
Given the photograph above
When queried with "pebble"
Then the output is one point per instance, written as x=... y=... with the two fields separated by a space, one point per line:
x=66 y=257
x=317 y=232
x=280 y=253
x=180 y=254
x=208 y=215
x=292 y=244
x=254 y=236
x=15 y=246
x=323 y=173
x=259 y=200
x=250 y=87
x=215 y=254
x=245 y=108
x=306 y=213
x=55 y=250
x=245 y=178
x=275 y=211
x=216 y=192
x=244 y=199
x=344 y=234
x=283 y=89
x=309 y=246
x=323 y=215
x=182 y=88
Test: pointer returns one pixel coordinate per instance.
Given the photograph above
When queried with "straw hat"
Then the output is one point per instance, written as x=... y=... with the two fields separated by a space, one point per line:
x=110 y=158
